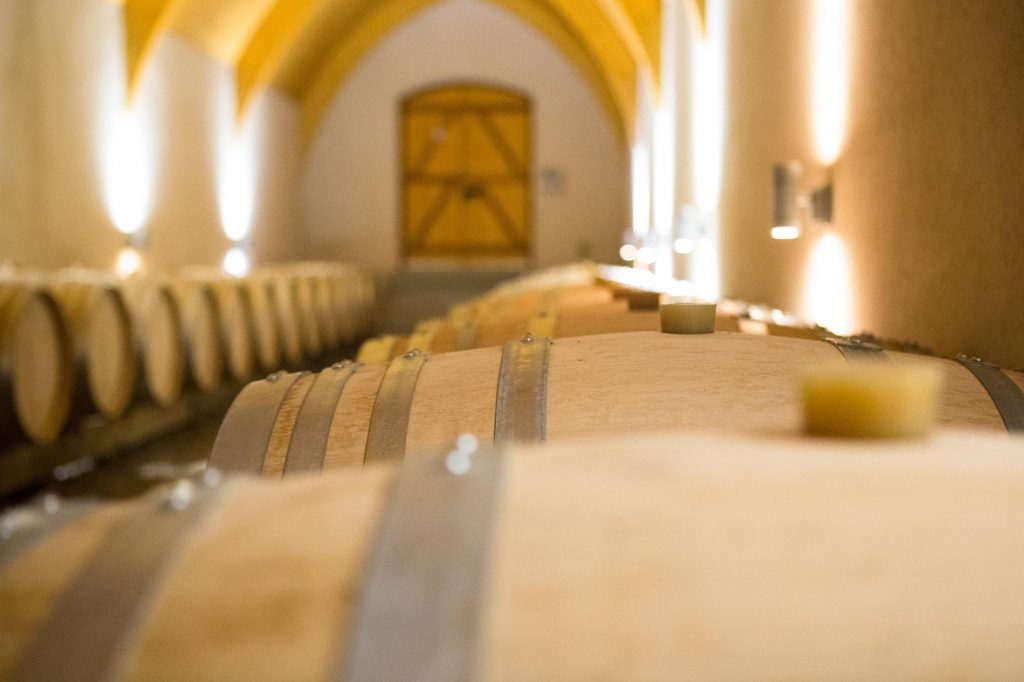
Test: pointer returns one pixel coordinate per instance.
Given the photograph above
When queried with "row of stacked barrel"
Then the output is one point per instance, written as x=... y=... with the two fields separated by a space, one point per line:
x=468 y=549
x=579 y=300
x=79 y=342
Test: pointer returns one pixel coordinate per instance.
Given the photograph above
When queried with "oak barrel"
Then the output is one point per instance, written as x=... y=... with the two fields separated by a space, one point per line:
x=601 y=384
x=38 y=363
x=678 y=556
x=42 y=367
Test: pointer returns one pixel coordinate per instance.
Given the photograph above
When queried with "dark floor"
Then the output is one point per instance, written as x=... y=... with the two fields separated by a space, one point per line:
x=133 y=470
x=172 y=457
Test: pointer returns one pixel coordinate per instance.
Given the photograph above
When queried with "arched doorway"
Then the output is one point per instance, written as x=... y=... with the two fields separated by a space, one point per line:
x=466 y=173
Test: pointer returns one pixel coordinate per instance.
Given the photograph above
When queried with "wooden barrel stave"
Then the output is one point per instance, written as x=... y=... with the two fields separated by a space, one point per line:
x=678 y=555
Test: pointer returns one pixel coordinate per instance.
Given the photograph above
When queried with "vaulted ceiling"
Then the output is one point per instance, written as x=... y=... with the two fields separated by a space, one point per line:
x=307 y=48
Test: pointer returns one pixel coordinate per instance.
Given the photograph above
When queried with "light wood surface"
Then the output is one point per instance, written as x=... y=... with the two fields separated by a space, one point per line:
x=672 y=556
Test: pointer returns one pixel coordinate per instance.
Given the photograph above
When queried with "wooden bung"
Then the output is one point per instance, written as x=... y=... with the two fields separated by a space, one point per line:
x=602 y=384
x=674 y=556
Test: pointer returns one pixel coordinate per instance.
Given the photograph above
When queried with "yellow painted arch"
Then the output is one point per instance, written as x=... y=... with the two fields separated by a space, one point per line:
x=144 y=21
x=307 y=48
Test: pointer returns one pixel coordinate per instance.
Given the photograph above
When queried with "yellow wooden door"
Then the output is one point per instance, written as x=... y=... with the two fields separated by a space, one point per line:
x=466 y=173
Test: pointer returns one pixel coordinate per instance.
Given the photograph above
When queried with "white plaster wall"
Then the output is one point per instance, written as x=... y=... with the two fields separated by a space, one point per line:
x=17 y=107
x=61 y=72
x=351 y=186
x=928 y=201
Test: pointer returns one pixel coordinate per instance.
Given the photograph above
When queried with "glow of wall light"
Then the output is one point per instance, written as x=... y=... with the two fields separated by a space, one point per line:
x=665 y=127
x=664 y=186
x=627 y=253
x=647 y=255
x=707 y=97
x=786 y=232
x=236 y=262
x=830 y=77
x=708 y=101
x=684 y=246
x=641 y=188
x=125 y=139
x=237 y=166
x=828 y=300
x=129 y=262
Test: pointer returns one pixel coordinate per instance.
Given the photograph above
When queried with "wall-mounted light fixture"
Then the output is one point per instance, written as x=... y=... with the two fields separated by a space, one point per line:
x=788 y=201
x=238 y=259
x=130 y=258
x=627 y=251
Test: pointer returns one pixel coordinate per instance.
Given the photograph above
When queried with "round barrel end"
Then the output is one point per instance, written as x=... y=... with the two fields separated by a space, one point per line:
x=163 y=357
x=42 y=369
x=236 y=318
x=110 y=365
x=265 y=328
x=205 y=352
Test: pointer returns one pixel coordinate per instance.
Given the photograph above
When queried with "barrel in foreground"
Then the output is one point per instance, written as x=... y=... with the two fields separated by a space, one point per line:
x=658 y=557
x=537 y=389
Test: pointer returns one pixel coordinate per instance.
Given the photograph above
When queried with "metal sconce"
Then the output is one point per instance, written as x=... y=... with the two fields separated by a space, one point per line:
x=788 y=201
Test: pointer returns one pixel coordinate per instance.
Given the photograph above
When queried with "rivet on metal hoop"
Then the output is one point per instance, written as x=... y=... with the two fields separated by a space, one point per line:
x=211 y=477
x=273 y=378
x=50 y=503
x=412 y=355
x=180 y=496
x=467 y=443
x=529 y=338
x=458 y=463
